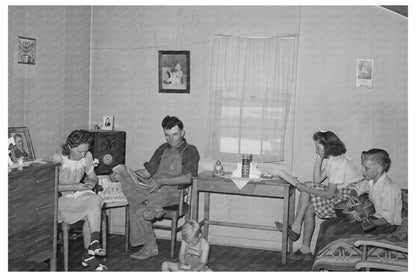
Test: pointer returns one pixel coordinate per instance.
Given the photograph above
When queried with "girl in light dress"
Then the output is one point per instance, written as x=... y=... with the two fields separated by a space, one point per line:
x=77 y=201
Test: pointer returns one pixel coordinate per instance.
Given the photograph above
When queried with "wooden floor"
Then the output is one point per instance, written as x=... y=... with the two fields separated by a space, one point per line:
x=222 y=258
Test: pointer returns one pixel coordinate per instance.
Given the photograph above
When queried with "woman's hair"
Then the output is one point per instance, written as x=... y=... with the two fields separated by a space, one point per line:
x=190 y=230
x=379 y=156
x=171 y=121
x=333 y=146
x=75 y=139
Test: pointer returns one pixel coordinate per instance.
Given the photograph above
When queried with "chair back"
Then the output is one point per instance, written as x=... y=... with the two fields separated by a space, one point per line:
x=185 y=194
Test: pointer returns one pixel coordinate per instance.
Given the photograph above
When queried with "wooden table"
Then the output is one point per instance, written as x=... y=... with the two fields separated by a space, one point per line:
x=271 y=188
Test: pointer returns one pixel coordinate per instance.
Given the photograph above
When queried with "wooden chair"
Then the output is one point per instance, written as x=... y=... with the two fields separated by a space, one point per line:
x=386 y=255
x=176 y=212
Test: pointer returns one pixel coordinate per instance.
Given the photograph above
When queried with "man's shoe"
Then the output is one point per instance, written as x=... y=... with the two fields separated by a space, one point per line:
x=293 y=236
x=298 y=255
x=144 y=253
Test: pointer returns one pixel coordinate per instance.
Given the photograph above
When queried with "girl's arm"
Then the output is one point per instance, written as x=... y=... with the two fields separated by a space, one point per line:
x=287 y=177
x=319 y=174
x=92 y=180
x=329 y=193
x=73 y=187
x=204 y=256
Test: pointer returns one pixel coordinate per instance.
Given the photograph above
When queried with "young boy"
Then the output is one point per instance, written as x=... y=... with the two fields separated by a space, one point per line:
x=385 y=196
x=193 y=255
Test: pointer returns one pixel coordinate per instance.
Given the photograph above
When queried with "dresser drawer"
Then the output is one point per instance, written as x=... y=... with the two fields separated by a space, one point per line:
x=39 y=244
x=31 y=185
x=24 y=215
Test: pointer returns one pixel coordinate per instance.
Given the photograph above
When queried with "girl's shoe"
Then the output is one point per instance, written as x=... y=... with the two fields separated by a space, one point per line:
x=92 y=262
x=292 y=235
x=96 y=249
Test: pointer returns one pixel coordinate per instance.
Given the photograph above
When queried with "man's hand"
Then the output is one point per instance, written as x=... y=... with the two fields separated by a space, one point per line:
x=114 y=177
x=155 y=186
x=143 y=173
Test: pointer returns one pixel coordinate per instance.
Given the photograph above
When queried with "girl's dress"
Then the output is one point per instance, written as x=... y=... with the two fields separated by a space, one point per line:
x=340 y=171
x=193 y=254
x=75 y=205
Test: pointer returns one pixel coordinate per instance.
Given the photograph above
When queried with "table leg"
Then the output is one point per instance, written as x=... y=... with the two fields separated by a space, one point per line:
x=194 y=200
x=127 y=229
x=285 y=224
x=206 y=214
x=292 y=198
x=53 y=261
x=104 y=229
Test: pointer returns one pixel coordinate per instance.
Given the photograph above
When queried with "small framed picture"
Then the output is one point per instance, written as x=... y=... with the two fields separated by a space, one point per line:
x=22 y=147
x=26 y=50
x=365 y=72
x=174 y=72
x=108 y=123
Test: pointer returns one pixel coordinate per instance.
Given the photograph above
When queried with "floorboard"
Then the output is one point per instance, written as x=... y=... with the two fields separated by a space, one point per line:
x=222 y=258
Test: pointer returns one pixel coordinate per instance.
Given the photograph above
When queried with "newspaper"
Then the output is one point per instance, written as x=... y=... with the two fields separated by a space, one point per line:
x=111 y=191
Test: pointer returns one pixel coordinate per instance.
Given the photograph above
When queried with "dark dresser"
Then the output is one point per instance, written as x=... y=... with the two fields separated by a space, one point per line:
x=33 y=216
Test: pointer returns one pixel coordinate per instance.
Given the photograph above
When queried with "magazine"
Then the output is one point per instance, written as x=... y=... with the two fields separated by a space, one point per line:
x=111 y=191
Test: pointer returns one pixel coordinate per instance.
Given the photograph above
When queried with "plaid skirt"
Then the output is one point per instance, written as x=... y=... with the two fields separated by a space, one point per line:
x=324 y=207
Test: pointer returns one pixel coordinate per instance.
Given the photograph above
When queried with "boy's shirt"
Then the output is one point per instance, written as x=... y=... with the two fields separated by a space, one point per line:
x=385 y=196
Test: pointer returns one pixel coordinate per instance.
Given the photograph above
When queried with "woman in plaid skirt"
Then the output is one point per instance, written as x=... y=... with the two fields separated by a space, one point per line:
x=317 y=198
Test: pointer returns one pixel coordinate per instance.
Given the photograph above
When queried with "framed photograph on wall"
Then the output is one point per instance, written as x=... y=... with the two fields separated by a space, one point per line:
x=365 y=72
x=23 y=147
x=26 y=52
x=174 y=72
x=108 y=122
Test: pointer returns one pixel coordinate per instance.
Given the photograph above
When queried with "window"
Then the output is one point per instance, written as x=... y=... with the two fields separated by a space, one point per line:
x=252 y=87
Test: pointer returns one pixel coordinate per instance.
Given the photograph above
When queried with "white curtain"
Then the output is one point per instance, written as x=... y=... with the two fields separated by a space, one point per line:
x=251 y=83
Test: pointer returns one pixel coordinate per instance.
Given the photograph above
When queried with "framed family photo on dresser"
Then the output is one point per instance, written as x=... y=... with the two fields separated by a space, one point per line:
x=174 y=72
x=23 y=147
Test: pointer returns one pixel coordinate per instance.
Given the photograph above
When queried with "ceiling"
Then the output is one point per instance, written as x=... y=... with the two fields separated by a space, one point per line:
x=398 y=9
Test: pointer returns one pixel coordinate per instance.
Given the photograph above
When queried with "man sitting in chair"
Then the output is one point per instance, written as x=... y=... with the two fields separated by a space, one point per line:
x=149 y=190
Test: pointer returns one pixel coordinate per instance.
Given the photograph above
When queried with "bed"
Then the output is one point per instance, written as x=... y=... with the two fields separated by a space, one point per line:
x=379 y=250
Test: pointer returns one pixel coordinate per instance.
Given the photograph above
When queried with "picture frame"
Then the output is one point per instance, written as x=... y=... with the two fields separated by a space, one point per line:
x=174 y=72
x=365 y=73
x=26 y=53
x=23 y=144
x=108 y=122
